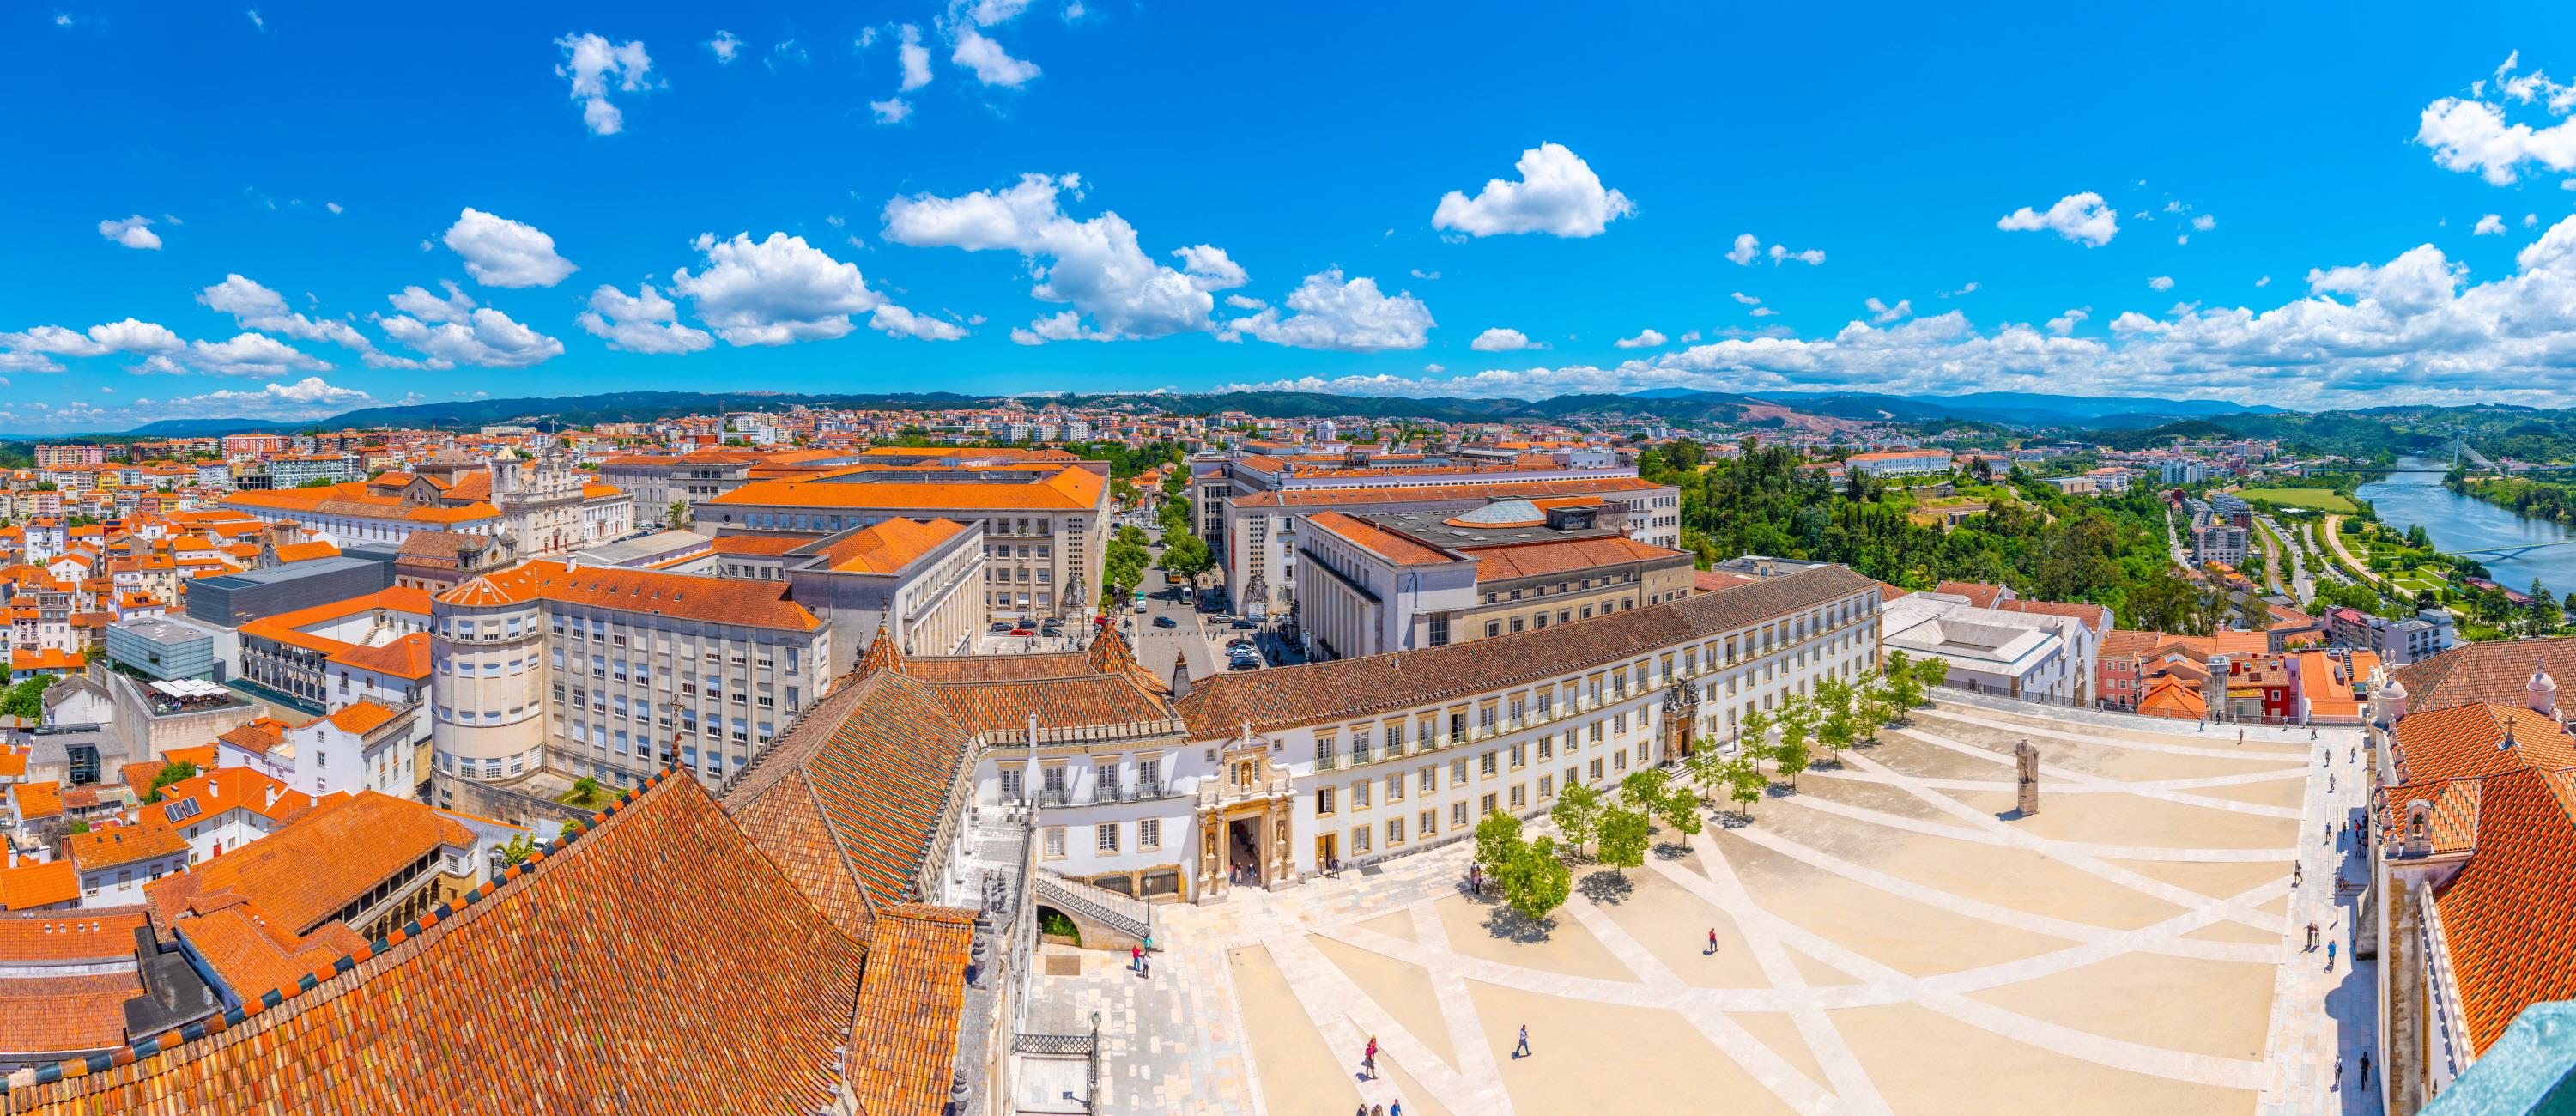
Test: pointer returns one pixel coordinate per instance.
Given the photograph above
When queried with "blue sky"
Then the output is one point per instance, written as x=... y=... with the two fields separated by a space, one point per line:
x=1119 y=196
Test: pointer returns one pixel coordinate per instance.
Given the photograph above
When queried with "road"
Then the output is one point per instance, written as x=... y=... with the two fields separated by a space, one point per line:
x=2271 y=545
x=2333 y=533
x=2303 y=588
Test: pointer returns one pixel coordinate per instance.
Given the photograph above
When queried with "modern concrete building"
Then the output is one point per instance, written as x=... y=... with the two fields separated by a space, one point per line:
x=919 y=584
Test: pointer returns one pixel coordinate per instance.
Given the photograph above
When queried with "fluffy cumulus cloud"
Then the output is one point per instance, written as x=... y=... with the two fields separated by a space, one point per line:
x=2082 y=218
x=2065 y=323
x=1329 y=312
x=1500 y=340
x=783 y=290
x=132 y=232
x=2161 y=283
x=644 y=323
x=485 y=338
x=500 y=252
x=725 y=46
x=1881 y=313
x=2489 y=225
x=2477 y=133
x=452 y=307
x=914 y=57
x=129 y=336
x=247 y=354
x=1748 y=248
x=1094 y=265
x=306 y=398
x=2412 y=329
x=255 y=307
x=892 y=110
x=1557 y=194
x=593 y=65
x=1646 y=339
x=992 y=65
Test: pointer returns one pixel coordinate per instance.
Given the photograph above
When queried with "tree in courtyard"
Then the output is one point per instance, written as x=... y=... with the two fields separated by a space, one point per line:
x=1498 y=843
x=1756 y=734
x=585 y=790
x=1932 y=672
x=1745 y=784
x=1577 y=814
x=1871 y=703
x=1537 y=882
x=676 y=517
x=1678 y=807
x=1624 y=834
x=1798 y=718
x=1705 y=770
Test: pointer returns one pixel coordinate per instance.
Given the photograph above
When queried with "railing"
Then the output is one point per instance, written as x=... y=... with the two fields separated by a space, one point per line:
x=1327 y=763
x=1055 y=796
x=1125 y=913
x=1085 y=1047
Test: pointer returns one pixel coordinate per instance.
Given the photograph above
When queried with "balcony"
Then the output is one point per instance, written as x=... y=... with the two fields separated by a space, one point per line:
x=1327 y=763
x=1360 y=756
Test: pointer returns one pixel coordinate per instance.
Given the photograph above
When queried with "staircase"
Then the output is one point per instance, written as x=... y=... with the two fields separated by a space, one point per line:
x=1123 y=919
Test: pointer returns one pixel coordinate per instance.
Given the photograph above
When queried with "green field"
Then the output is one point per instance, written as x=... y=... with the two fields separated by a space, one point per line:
x=2318 y=498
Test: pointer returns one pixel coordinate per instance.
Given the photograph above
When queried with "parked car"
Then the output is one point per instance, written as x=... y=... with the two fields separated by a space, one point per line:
x=1001 y=627
x=1245 y=624
x=1239 y=641
x=1164 y=622
x=1244 y=664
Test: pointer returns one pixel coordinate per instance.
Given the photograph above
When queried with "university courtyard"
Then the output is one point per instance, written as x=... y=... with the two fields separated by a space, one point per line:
x=1891 y=936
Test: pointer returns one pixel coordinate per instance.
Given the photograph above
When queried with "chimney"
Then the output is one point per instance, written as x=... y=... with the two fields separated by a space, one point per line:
x=272 y=796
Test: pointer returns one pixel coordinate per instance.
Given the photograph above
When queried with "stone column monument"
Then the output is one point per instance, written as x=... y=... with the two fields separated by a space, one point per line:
x=2026 y=767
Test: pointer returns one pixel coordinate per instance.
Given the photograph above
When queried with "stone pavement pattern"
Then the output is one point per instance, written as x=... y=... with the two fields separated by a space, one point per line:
x=1891 y=938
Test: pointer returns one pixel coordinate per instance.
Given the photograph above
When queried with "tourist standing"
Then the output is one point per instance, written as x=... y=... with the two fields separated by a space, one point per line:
x=1368 y=1060
x=2330 y=968
x=1712 y=940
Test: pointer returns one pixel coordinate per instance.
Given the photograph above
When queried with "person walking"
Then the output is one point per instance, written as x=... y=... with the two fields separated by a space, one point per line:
x=1368 y=1059
x=2240 y=738
x=1712 y=941
x=1523 y=1050
x=2298 y=874
x=2330 y=968
x=1135 y=959
x=2365 y=1069
x=1396 y=1109
x=2338 y=1071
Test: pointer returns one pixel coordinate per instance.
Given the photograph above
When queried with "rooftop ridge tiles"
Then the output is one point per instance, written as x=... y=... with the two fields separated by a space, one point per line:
x=341 y=966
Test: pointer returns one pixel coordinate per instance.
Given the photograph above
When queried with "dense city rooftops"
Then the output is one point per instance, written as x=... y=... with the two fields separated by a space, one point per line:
x=759 y=604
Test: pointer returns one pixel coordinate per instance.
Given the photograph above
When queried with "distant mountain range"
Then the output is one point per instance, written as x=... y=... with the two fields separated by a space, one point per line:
x=1681 y=405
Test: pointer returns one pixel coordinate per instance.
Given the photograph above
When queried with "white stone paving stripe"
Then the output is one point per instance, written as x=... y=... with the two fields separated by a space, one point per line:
x=2139 y=789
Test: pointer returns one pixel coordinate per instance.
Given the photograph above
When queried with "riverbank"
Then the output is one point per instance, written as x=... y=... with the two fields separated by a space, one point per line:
x=2546 y=501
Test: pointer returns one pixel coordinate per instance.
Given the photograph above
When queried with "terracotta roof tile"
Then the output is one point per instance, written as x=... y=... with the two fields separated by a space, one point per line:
x=889 y=546
x=1398 y=549
x=38 y=800
x=2466 y=741
x=406 y=657
x=2497 y=671
x=30 y=885
x=2505 y=915
x=36 y=938
x=123 y=844
x=762 y=604
x=361 y=717
x=905 y=1037
x=64 y=1015
x=306 y=872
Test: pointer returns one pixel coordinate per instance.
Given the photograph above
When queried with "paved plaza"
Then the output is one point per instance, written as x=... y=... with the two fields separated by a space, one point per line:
x=1891 y=938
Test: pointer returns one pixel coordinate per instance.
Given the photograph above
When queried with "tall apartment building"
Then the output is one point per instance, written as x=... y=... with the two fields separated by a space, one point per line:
x=616 y=674
x=48 y=456
x=1046 y=524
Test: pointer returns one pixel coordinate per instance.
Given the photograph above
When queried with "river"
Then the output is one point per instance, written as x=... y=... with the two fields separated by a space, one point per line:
x=2458 y=523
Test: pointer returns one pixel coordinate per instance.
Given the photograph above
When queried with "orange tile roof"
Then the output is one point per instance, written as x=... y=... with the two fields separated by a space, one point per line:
x=307 y=871
x=66 y=1014
x=762 y=1025
x=1065 y=488
x=63 y=937
x=49 y=658
x=1978 y=593
x=757 y=545
x=253 y=955
x=889 y=546
x=202 y=755
x=257 y=735
x=2496 y=670
x=123 y=844
x=30 y=885
x=1562 y=556
x=361 y=717
x=2505 y=915
x=406 y=657
x=1395 y=548
x=245 y=788
x=761 y=604
x=2466 y=741
x=909 y=998
x=1442 y=493
x=2172 y=696
x=38 y=800
x=306 y=551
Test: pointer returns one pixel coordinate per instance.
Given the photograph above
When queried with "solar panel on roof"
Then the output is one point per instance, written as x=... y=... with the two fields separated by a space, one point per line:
x=178 y=811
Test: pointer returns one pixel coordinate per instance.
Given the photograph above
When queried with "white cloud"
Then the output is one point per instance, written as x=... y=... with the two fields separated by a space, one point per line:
x=1645 y=339
x=2185 y=238
x=1781 y=255
x=867 y=38
x=2530 y=219
x=1746 y=247
x=487 y=338
x=249 y=354
x=129 y=336
x=914 y=57
x=2489 y=225
x=500 y=252
x=2204 y=222
x=2065 y=323
x=309 y=397
x=991 y=64
x=892 y=110
x=1762 y=312
x=1435 y=369
x=2410 y=330
x=1744 y=298
x=1244 y=302
x=334 y=207
x=431 y=308
x=645 y=323
x=1690 y=336
x=726 y=46
x=782 y=290
x=1418 y=273
x=1096 y=266
x=787 y=51
x=256 y=22
x=2264 y=281
x=258 y=308
x=899 y=322
x=1500 y=340
x=2078 y=217
x=2473 y=134
x=1210 y=268
x=1881 y=313
x=1351 y=316
x=1969 y=289
x=132 y=232
x=987 y=13
x=2161 y=283
x=1557 y=194
x=591 y=62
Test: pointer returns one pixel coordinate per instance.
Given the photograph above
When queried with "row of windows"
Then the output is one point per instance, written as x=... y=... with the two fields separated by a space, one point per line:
x=1106 y=838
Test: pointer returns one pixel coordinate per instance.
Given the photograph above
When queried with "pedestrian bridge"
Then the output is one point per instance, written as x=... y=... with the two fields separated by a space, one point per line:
x=2508 y=551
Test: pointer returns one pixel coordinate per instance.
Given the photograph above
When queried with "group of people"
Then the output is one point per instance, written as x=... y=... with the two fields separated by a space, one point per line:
x=1368 y=1061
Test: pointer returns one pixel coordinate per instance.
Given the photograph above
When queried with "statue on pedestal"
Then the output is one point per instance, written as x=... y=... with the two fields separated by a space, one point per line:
x=2026 y=769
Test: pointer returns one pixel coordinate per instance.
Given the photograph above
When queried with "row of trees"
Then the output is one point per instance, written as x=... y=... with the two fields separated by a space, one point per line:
x=1619 y=822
